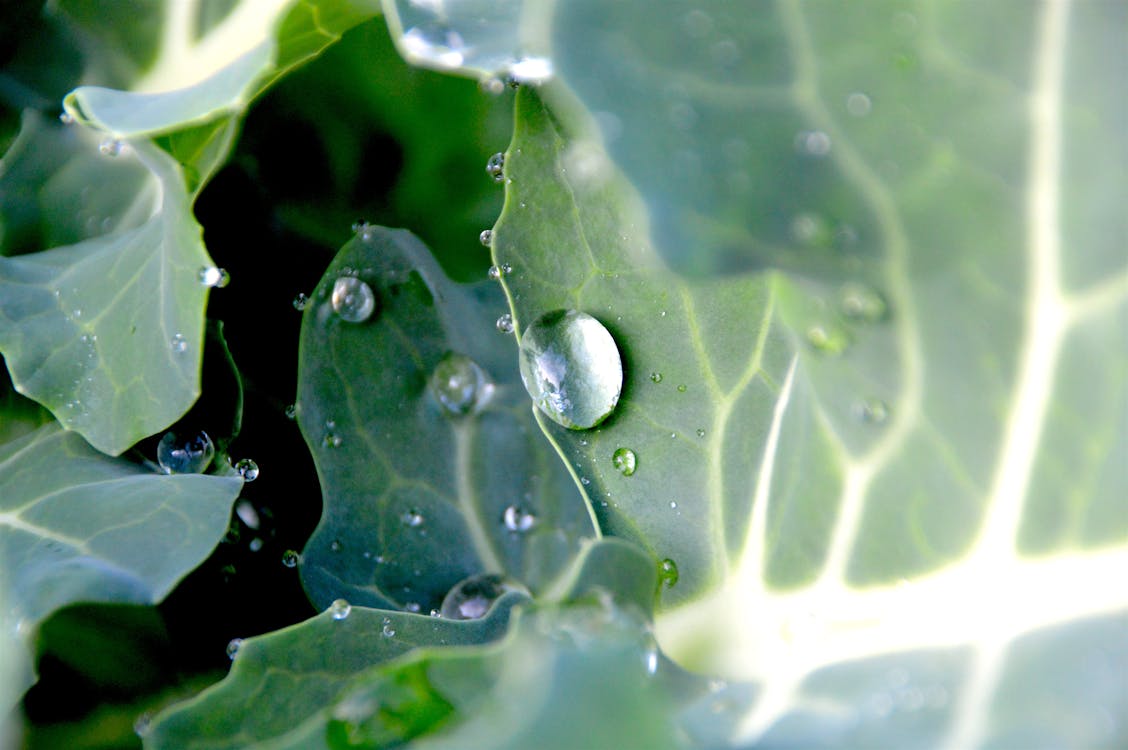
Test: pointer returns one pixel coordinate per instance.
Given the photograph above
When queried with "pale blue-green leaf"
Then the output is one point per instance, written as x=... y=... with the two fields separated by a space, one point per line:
x=418 y=498
x=909 y=439
x=106 y=328
x=78 y=526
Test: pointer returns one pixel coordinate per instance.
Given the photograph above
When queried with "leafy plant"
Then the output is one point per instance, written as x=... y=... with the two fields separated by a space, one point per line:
x=863 y=269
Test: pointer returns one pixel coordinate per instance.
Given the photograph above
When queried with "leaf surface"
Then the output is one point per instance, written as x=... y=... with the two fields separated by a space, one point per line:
x=865 y=473
x=78 y=526
x=418 y=498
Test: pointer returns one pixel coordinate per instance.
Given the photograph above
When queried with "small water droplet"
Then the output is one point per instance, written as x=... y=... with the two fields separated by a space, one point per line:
x=331 y=440
x=290 y=558
x=570 y=365
x=363 y=230
x=858 y=104
x=700 y=432
x=668 y=573
x=814 y=143
x=339 y=609
x=436 y=613
x=233 y=647
x=472 y=597
x=495 y=273
x=518 y=519
x=352 y=299
x=495 y=167
x=247 y=469
x=682 y=388
x=656 y=377
x=412 y=517
x=179 y=344
x=872 y=410
x=460 y=385
x=861 y=303
x=673 y=505
x=301 y=299
x=831 y=341
x=213 y=276
x=143 y=723
x=491 y=85
x=387 y=630
x=192 y=456
x=256 y=544
x=292 y=411
x=625 y=461
x=486 y=237
x=66 y=118
x=531 y=70
x=111 y=147
x=335 y=545
x=505 y=323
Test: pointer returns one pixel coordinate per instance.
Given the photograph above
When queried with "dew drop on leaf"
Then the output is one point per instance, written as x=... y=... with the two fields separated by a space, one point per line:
x=363 y=230
x=387 y=630
x=472 y=597
x=179 y=344
x=858 y=104
x=682 y=388
x=656 y=377
x=213 y=277
x=570 y=365
x=518 y=519
x=339 y=609
x=505 y=323
x=247 y=469
x=668 y=572
x=292 y=411
x=233 y=647
x=459 y=384
x=827 y=341
x=111 y=147
x=290 y=558
x=192 y=456
x=412 y=517
x=352 y=299
x=700 y=432
x=872 y=410
x=860 y=303
x=486 y=237
x=494 y=273
x=301 y=299
x=495 y=167
x=625 y=461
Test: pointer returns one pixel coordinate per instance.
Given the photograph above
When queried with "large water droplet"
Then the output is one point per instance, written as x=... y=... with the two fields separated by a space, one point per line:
x=571 y=367
x=290 y=558
x=213 y=277
x=486 y=237
x=518 y=519
x=247 y=469
x=339 y=609
x=668 y=572
x=459 y=384
x=192 y=456
x=625 y=461
x=495 y=167
x=472 y=597
x=352 y=299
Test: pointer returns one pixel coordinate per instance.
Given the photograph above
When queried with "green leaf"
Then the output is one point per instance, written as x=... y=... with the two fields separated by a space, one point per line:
x=896 y=451
x=106 y=328
x=379 y=679
x=78 y=526
x=419 y=496
x=281 y=684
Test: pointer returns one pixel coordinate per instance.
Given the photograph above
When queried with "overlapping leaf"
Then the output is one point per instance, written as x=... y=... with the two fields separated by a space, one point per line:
x=380 y=679
x=860 y=457
x=417 y=496
x=77 y=526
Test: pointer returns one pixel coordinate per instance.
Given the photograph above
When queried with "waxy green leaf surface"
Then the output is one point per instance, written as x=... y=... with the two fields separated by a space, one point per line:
x=416 y=498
